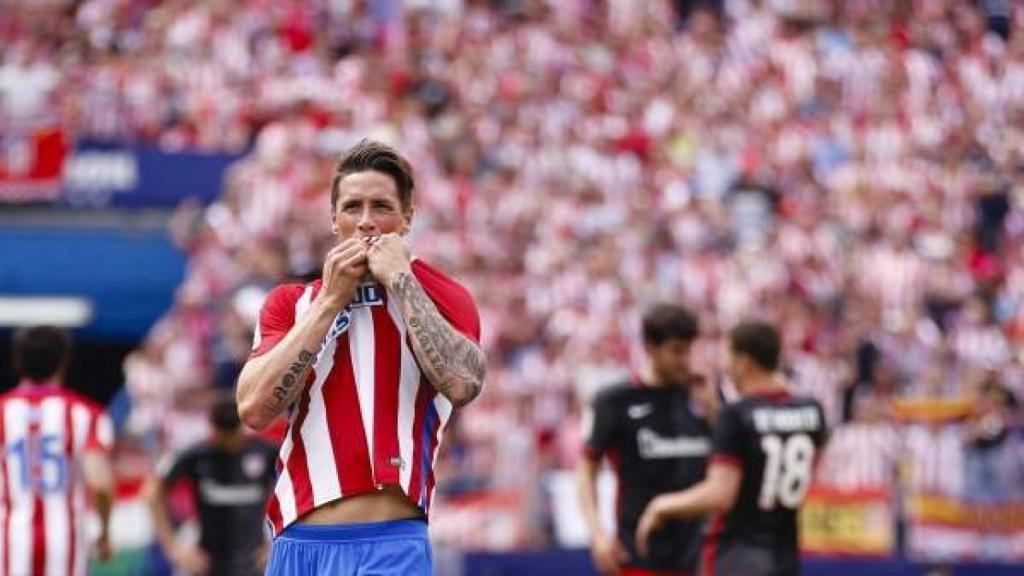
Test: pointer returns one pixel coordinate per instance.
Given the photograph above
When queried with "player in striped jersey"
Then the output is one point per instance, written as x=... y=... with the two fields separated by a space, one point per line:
x=368 y=363
x=56 y=446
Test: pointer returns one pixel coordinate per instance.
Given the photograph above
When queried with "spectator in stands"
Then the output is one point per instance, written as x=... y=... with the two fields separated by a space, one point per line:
x=991 y=471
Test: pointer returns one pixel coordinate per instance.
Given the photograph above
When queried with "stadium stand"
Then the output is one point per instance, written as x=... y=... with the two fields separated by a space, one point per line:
x=853 y=171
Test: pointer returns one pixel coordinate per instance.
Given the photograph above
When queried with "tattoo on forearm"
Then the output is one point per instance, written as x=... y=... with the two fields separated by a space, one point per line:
x=286 y=390
x=453 y=363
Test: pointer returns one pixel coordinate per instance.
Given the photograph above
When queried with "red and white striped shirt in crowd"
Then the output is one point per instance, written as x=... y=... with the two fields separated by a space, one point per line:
x=934 y=458
x=897 y=278
x=860 y=456
x=368 y=417
x=981 y=345
x=823 y=379
x=45 y=431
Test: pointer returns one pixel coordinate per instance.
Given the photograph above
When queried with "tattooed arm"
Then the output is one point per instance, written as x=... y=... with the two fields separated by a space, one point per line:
x=453 y=363
x=272 y=382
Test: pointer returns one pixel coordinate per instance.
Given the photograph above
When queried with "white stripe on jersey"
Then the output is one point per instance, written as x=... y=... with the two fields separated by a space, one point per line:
x=408 y=386
x=444 y=411
x=80 y=420
x=19 y=532
x=284 y=490
x=105 y=431
x=362 y=344
x=55 y=503
x=302 y=305
x=257 y=336
x=316 y=436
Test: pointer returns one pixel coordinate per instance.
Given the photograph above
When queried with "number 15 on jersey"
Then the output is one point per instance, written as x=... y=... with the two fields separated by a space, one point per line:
x=40 y=462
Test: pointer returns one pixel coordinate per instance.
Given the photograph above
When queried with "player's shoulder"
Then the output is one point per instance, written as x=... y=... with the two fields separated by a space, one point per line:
x=200 y=450
x=616 y=393
x=739 y=414
x=801 y=400
x=288 y=293
x=7 y=395
x=68 y=395
x=435 y=281
x=77 y=399
x=72 y=398
x=743 y=405
x=257 y=444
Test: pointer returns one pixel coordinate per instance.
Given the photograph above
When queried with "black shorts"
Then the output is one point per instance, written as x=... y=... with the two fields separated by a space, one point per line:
x=741 y=559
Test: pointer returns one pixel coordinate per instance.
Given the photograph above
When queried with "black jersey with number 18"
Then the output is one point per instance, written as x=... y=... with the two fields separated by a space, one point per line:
x=774 y=439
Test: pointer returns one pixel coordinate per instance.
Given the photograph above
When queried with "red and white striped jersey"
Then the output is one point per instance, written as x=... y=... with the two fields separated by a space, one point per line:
x=45 y=431
x=368 y=417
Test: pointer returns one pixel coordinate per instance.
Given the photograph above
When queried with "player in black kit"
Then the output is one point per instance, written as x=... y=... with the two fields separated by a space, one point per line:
x=765 y=448
x=653 y=432
x=231 y=476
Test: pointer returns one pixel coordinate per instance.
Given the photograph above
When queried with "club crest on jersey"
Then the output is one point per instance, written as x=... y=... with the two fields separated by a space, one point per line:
x=341 y=323
x=253 y=465
x=367 y=294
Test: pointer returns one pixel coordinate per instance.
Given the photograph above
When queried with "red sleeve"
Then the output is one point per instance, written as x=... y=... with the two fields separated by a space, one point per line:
x=276 y=318
x=453 y=301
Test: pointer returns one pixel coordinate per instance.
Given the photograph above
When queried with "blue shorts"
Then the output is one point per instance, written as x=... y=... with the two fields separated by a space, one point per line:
x=397 y=548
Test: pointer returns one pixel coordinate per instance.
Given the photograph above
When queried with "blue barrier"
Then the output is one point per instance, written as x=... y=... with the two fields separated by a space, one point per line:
x=577 y=563
x=129 y=276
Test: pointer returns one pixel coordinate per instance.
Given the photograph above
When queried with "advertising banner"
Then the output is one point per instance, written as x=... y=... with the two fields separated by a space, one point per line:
x=38 y=165
x=113 y=175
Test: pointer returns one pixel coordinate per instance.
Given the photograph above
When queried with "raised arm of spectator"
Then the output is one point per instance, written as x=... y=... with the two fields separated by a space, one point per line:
x=274 y=377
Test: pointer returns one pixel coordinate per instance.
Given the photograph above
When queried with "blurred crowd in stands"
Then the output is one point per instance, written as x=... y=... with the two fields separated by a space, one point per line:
x=852 y=170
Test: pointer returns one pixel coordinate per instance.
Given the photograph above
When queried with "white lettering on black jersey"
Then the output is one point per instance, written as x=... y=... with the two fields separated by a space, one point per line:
x=656 y=444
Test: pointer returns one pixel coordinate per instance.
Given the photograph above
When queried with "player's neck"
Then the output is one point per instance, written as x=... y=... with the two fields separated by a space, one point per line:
x=230 y=441
x=650 y=379
x=761 y=385
x=48 y=383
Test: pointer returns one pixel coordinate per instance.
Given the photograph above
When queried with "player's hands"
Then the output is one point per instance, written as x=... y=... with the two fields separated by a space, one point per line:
x=609 y=555
x=651 y=520
x=104 y=551
x=389 y=256
x=191 y=560
x=344 y=268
